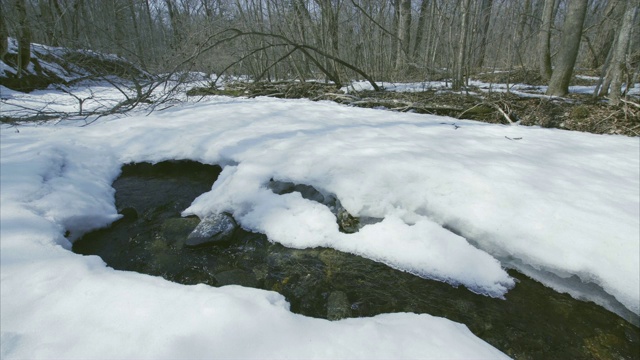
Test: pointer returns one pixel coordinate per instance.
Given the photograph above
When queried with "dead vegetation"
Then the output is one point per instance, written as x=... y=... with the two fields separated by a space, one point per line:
x=578 y=112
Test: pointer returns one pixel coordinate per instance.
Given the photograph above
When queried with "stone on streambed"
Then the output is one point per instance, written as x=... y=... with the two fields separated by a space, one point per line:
x=213 y=229
x=175 y=230
x=236 y=277
x=338 y=306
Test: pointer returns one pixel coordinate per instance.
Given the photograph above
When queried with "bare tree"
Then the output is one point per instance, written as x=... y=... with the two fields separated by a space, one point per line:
x=422 y=18
x=483 y=30
x=613 y=79
x=570 y=44
x=404 y=32
x=4 y=34
x=544 y=39
x=458 y=79
x=24 y=36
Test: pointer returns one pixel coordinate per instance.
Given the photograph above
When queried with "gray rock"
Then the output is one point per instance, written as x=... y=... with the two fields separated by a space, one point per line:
x=281 y=187
x=310 y=193
x=338 y=306
x=307 y=191
x=216 y=228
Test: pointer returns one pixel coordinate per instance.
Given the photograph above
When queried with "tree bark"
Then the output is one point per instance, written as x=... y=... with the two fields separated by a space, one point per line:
x=458 y=80
x=422 y=18
x=404 y=34
x=617 y=65
x=173 y=19
x=605 y=37
x=4 y=34
x=485 y=19
x=24 y=37
x=570 y=44
x=544 y=40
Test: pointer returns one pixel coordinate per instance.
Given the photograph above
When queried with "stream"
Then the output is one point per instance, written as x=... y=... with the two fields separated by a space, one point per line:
x=534 y=322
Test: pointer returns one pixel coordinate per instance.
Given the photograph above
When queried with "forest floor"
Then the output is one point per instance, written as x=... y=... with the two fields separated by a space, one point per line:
x=578 y=111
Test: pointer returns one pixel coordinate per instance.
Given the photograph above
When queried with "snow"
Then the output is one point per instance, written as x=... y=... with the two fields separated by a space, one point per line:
x=524 y=90
x=458 y=205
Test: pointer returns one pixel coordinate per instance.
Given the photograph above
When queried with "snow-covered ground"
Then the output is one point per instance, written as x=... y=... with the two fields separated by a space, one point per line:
x=524 y=90
x=564 y=207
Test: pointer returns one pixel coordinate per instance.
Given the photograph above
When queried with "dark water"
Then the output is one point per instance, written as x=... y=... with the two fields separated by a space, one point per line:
x=534 y=322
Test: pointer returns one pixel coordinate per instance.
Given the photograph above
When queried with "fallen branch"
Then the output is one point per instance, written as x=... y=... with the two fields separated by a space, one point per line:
x=504 y=114
x=630 y=103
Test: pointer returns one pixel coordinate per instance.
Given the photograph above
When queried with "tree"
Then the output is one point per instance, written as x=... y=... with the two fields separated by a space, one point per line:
x=404 y=31
x=4 y=35
x=544 y=40
x=458 y=79
x=485 y=18
x=613 y=79
x=24 y=36
x=570 y=44
x=422 y=17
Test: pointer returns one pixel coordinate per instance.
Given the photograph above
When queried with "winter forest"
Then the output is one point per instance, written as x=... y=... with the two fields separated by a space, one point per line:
x=319 y=179
x=395 y=40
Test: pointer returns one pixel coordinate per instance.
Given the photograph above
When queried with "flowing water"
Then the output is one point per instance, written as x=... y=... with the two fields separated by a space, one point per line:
x=534 y=322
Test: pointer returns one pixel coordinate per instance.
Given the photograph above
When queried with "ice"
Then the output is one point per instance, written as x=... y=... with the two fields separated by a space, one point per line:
x=454 y=204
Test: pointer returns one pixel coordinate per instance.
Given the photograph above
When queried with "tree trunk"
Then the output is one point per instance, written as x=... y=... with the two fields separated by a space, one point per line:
x=605 y=37
x=617 y=65
x=458 y=80
x=24 y=37
x=173 y=19
x=544 y=40
x=403 y=34
x=522 y=23
x=485 y=19
x=570 y=44
x=4 y=34
x=424 y=4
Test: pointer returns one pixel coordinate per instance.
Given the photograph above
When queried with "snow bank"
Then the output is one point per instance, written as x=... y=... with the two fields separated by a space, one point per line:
x=560 y=202
x=56 y=304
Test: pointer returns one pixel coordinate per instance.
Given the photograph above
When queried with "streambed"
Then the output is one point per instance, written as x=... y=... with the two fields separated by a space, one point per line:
x=534 y=322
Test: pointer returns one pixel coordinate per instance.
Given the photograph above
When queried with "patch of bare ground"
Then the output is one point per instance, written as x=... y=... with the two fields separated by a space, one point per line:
x=576 y=112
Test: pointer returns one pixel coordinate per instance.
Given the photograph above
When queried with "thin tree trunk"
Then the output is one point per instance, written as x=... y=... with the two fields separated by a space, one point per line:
x=606 y=36
x=24 y=37
x=544 y=40
x=422 y=18
x=458 y=80
x=485 y=18
x=570 y=44
x=616 y=70
x=404 y=31
x=4 y=34
x=173 y=19
x=59 y=29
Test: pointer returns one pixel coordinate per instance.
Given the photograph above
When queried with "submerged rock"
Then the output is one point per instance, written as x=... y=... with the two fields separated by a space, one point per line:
x=338 y=306
x=176 y=230
x=307 y=191
x=217 y=228
x=236 y=277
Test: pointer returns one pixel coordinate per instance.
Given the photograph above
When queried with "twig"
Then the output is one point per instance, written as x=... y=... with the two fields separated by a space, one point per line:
x=504 y=114
x=630 y=103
